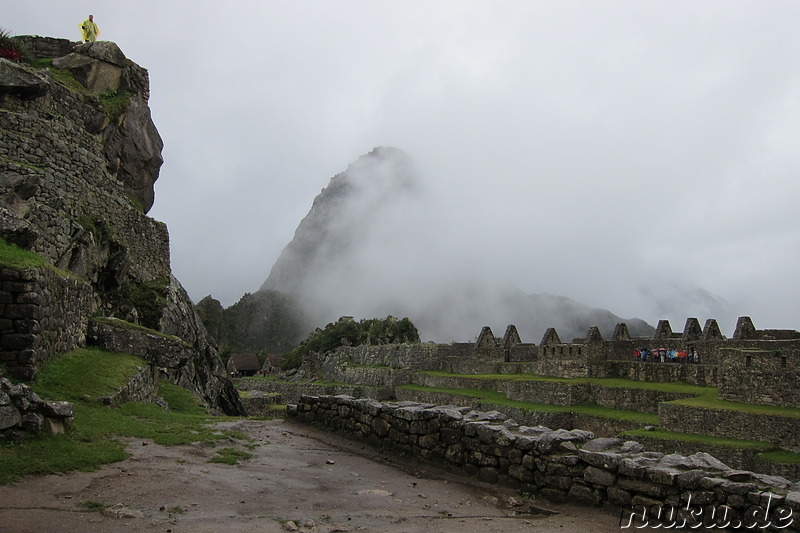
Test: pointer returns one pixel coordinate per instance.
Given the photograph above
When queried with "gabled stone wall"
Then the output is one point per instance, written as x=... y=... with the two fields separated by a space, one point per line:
x=761 y=376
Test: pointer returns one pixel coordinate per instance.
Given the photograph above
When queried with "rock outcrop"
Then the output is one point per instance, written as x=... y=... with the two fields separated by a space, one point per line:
x=79 y=155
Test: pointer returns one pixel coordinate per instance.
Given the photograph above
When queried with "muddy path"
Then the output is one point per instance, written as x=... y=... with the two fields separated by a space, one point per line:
x=298 y=478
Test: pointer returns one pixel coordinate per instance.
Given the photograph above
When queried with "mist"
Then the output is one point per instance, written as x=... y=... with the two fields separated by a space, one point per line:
x=638 y=157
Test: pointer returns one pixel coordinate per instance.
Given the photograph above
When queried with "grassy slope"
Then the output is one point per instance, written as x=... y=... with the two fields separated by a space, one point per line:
x=82 y=377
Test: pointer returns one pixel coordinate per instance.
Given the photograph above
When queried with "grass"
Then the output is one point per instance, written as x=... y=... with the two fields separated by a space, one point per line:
x=13 y=256
x=119 y=323
x=115 y=102
x=94 y=506
x=781 y=456
x=230 y=456
x=64 y=378
x=701 y=439
x=710 y=400
x=84 y=376
x=492 y=398
x=680 y=388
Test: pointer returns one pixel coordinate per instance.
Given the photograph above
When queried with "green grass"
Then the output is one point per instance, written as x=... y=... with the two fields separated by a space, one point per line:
x=710 y=400
x=115 y=102
x=230 y=456
x=680 y=388
x=65 y=377
x=84 y=376
x=13 y=256
x=491 y=398
x=781 y=457
x=122 y=324
x=701 y=439
x=93 y=506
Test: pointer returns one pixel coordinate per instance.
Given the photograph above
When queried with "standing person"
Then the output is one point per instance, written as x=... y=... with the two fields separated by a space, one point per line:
x=89 y=30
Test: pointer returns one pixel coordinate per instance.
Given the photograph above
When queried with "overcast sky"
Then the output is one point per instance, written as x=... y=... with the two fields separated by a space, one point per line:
x=596 y=150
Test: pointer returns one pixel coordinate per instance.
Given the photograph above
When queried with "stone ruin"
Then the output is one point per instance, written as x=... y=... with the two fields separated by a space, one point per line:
x=23 y=411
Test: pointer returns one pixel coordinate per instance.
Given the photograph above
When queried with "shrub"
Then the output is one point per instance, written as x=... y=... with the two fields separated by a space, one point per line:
x=10 y=47
x=347 y=332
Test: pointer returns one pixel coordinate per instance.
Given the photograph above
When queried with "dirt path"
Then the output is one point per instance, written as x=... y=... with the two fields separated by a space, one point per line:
x=320 y=482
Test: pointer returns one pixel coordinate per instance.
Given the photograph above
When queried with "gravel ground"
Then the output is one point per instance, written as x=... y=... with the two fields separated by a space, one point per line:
x=299 y=478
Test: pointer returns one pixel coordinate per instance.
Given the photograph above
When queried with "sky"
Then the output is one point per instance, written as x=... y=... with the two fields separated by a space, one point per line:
x=621 y=153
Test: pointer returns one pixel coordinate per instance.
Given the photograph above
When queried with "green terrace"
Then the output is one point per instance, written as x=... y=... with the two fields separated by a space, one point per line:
x=681 y=388
x=492 y=398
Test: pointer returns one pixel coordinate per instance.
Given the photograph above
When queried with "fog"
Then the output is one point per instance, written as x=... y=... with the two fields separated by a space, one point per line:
x=629 y=155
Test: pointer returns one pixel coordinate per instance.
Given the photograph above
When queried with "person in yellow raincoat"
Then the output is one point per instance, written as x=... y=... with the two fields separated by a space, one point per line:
x=89 y=30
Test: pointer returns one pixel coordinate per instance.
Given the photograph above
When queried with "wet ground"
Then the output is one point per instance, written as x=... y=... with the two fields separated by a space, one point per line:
x=298 y=478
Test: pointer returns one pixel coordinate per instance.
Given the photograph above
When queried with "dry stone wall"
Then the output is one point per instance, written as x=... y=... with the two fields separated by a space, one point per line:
x=761 y=376
x=41 y=313
x=781 y=430
x=23 y=411
x=558 y=464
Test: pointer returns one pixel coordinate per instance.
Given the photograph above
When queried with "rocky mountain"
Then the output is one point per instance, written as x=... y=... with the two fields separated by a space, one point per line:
x=264 y=321
x=79 y=155
x=355 y=253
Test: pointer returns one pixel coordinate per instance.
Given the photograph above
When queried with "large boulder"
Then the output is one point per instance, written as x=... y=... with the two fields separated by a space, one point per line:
x=18 y=80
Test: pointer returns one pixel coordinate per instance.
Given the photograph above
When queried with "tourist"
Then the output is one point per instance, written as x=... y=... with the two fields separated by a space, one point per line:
x=89 y=30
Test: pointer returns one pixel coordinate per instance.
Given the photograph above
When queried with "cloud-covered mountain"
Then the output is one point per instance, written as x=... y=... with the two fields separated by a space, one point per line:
x=372 y=246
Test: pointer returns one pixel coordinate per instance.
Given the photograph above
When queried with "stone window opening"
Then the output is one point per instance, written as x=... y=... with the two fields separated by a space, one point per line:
x=748 y=360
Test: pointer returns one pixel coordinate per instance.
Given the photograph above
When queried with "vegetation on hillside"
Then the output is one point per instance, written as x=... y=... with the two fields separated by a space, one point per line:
x=347 y=332
x=10 y=47
x=13 y=256
x=83 y=377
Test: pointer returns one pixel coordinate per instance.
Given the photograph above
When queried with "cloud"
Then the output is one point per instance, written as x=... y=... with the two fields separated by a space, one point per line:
x=594 y=148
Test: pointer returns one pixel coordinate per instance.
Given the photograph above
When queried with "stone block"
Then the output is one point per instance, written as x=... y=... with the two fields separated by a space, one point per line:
x=521 y=473
x=17 y=311
x=9 y=416
x=655 y=490
x=429 y=441
x=380 y=427
x=32 y=422
x=584 y=494
x=618 y=496
x=598 y=476
x=17 y=341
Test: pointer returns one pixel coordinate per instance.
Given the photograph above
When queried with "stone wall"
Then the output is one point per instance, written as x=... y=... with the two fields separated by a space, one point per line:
x=556 y=465
x=174 y=359
x=781 y=430
x=41 y=313
x=742 y=458
x=80 y=222
x=761 y=376
x=702 y=374
x=23 y=411
x=562 y=418
x=557 y=392
x=291 y=392
x=141 y=387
